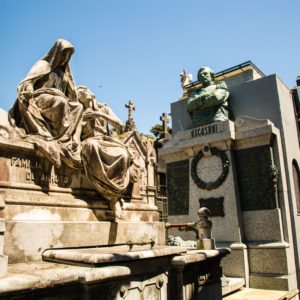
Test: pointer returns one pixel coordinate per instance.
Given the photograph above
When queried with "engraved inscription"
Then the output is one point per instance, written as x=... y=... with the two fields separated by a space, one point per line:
x=204 y=130
x=35 y=172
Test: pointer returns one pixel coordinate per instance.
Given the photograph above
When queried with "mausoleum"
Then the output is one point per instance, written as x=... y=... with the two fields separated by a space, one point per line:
x=235 y=150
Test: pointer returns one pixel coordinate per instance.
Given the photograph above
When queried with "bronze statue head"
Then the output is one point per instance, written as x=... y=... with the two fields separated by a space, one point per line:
x=206 y=76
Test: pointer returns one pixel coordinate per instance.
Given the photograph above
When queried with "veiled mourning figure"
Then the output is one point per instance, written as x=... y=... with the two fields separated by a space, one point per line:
x=47 y=107
x=106 y=159
x=209 y=103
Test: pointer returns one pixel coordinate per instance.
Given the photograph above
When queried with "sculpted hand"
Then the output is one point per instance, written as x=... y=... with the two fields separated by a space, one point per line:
x=90 y=115
x=26 y=95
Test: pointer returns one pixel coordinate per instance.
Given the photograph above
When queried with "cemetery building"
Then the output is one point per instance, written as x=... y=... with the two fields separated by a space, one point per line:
x=235 y=150
x=82 y=215
x=78 y=201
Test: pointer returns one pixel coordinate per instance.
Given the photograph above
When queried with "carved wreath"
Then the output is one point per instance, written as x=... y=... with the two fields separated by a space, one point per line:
x=211 y=185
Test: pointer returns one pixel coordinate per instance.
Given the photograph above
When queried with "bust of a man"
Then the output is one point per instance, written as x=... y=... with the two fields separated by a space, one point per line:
x=209 y=103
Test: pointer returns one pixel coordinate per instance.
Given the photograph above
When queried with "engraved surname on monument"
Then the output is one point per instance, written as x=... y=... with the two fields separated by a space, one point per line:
x=35 y=172
x=30 y=169
x=178 y=187
x=207 y=130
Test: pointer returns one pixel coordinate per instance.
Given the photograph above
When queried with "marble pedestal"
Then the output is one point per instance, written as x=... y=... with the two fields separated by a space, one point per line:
x=226 y=230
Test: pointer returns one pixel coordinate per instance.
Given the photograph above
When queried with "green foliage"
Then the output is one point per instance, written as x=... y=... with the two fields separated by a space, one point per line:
x=157 y=130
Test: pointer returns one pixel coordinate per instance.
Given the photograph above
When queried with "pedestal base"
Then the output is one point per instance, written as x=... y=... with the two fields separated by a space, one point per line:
x=206 y=244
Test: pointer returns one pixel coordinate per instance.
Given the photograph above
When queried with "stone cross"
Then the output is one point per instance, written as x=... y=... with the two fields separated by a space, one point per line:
x=130 y=125
x=165 y=120
x=131 y=109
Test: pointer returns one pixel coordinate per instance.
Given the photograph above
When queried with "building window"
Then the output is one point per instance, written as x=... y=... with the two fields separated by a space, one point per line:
x=296 y=185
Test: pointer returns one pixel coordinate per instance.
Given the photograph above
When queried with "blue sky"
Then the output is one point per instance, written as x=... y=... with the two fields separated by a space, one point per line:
x=137 y=49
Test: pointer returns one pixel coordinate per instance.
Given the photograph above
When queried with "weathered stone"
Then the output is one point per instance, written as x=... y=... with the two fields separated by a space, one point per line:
x=280 y=283
x=263 y=225
x=76 y=192
x=260 y=294
x=130 y=124
x=118 y=253
x=3 y=265
x=261 y=261
x=235 y=265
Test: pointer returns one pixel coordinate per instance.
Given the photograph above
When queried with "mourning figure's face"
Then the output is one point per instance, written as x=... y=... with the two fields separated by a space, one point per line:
x=65 y=56
x=84 y=96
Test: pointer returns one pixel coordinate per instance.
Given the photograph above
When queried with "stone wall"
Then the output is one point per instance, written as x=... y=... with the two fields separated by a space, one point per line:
x=47 y=207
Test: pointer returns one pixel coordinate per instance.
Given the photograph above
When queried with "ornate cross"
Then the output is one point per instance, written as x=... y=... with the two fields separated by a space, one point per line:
x=131 y=109
x=130 y=125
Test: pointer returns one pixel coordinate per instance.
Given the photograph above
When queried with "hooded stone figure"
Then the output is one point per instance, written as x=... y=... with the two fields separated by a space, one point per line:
x=47 y=110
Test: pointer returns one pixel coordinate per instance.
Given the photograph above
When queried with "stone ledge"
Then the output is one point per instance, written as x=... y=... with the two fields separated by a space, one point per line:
x=46 y=275
x=139 y=207
x=232 y=284
x=253 y=245
x=267 y=245
x=33 y=187
x=260 y=294
x=100 y=255
x=194 y=256
x=17 y=145
x=231 y=245
x=244 y=123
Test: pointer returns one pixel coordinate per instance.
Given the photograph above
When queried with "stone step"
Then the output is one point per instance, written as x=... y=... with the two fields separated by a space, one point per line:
x=231 y=284
x=258 y=294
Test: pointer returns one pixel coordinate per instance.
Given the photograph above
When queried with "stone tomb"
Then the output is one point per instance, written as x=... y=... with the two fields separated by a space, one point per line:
x=54 y=214
x=75 y=192
x=48 y=207
x=242 y=171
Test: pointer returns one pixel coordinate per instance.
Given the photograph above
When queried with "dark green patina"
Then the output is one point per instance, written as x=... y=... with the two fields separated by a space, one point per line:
x=209 y=103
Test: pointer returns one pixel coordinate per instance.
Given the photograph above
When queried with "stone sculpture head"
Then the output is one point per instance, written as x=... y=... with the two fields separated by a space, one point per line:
x=85 y=96
x=65 y=56
x=206 y=76
x=60 y=54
